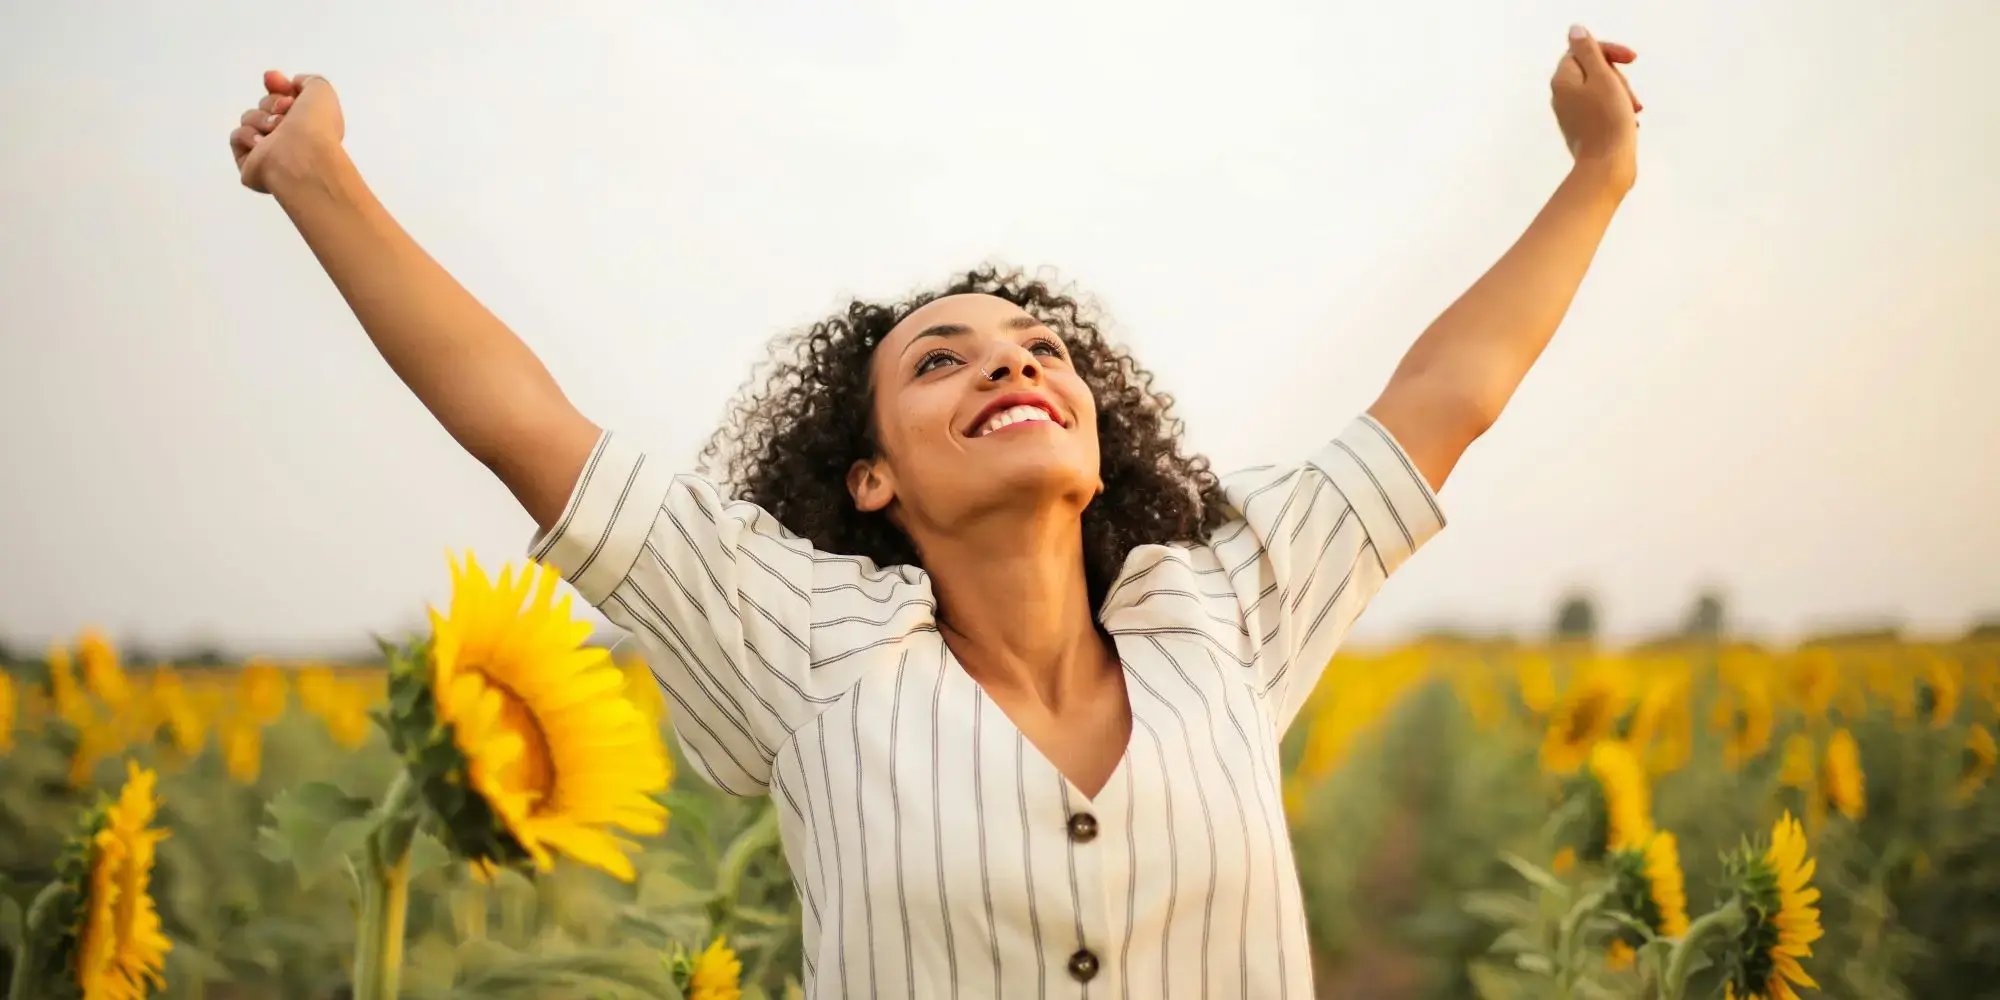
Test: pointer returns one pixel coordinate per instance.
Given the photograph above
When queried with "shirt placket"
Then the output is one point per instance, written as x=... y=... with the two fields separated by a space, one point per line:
x=1090 y=831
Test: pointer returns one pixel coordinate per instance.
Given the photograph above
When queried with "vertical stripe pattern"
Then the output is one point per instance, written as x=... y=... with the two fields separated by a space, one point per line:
x=936 y=850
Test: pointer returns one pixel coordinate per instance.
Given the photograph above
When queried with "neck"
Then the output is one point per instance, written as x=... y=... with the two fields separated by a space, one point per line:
x=1014 y=603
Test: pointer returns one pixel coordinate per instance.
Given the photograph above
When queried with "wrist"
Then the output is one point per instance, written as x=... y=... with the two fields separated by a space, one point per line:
x=302 y=168
x=1611 y=173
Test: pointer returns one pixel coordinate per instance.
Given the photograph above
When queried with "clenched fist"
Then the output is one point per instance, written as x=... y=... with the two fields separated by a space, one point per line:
x=1594 y=105
x=298 y=117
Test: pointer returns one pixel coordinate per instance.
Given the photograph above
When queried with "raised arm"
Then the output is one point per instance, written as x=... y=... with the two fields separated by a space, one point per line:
x=1458 y=376
x=481 y=382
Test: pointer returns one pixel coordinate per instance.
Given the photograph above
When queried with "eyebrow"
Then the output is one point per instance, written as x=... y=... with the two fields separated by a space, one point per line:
x=1023 y=322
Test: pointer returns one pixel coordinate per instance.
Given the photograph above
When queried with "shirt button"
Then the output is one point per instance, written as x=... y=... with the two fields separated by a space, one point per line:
x=1083 y=965
x=1083 y=828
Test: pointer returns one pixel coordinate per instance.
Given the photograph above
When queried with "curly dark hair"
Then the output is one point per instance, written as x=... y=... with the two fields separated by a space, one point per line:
x=794 y=430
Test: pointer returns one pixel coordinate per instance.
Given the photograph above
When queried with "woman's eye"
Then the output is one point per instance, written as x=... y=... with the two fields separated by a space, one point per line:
x=1047 y=347
x=932 y=361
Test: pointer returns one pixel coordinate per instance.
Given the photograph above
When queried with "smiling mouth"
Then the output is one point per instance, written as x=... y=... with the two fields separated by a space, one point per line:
x=1021 y=415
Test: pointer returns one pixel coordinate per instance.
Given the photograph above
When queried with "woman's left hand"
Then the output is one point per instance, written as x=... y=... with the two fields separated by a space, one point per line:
x=1595 y=106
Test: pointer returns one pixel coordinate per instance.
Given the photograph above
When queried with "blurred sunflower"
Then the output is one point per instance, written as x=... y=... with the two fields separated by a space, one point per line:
x=1980 y=756
x=712 y=974
x=242 y=742
x=1890 y=680
x=1841 y=777
x=8 y=709
x=1796 y=768
x=1662 y=729
x=176 y=710
x=70 y=702
x=1938 y=689
x=1774 y=889
x=643 y=689
x=95 y=931
x=1814 y=677
x=508 y=702
x=1628 y=809
x=102 y=675
x=1648 y=886
x=260 y=692
x=1743 y=716
x=1582 y=718
x=1535 y=679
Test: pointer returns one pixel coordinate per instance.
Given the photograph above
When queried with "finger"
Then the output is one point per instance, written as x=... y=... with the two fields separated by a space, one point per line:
x=278 y=83
x=1588 y=55
x=1617 y=53
x=299 y=82
x=1637 y=106
x=242 y=139
x=261 y=120
x=1568 y=73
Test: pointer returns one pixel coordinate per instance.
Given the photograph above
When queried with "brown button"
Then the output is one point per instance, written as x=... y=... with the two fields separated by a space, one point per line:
x=1083 y=965
x=1083 y=828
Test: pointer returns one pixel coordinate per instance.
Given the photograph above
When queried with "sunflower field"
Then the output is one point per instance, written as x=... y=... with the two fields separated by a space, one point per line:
x=1472 y=818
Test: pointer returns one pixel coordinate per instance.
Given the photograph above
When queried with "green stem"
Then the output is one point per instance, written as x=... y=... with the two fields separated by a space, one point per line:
x=1726 y=921
x=29 y=958
x=385 y=895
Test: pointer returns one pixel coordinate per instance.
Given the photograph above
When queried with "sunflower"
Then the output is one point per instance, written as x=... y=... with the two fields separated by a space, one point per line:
x=1661 y=729
x=1938 y=690
x=8 y=710
x=713 y=974
x=1535 y=678
x=105 y=931
x=260 y=692
x=1781 y=923
x=1743 y=715
x=1628 y=808
x=70 y=701
x=172 y=705
x=1797 y=769
x=1841 y=778
x=508 y=702
x=242 y=742
x=1583 y=717
x=643 y=689
x=1649 y=887
x=102 y=674
x=341 y=703
x=1814 y=677
x=1980 y=757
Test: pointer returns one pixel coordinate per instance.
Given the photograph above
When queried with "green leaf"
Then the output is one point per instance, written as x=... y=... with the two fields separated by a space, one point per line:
x=1500 y=908
x=661 y=890
x=10 y=923
x=313 y=826
x=427 y=854
x=1534 y=873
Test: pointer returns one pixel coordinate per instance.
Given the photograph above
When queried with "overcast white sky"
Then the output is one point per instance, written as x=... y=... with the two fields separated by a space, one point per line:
x=1779 y=378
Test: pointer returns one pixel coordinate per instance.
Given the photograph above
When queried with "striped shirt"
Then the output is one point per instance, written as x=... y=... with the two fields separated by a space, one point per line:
x=936 y=851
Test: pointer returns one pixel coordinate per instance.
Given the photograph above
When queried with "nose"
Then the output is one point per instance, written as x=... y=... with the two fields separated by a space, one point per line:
x=1011 y=359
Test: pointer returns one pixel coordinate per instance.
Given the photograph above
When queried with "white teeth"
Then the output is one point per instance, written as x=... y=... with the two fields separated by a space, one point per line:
x=1013 y=415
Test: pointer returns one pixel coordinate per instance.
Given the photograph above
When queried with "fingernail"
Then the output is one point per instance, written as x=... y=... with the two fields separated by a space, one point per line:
x=273 y=120
x=255 y=139
x=1577 y=32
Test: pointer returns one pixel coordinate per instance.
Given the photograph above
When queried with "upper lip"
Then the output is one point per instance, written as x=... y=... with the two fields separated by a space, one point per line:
x=1014 y=399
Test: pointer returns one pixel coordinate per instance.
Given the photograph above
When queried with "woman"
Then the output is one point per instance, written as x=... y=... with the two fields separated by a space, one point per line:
x=1015 y=667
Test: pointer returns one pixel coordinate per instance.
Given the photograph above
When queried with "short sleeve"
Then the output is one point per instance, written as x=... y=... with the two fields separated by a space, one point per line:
x=1309 y=545
x=714 y=589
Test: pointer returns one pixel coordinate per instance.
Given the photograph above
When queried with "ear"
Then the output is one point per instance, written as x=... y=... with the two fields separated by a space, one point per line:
x=871 y=485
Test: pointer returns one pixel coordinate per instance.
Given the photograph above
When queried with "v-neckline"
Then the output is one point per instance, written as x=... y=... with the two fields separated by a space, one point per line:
x=1118 y=769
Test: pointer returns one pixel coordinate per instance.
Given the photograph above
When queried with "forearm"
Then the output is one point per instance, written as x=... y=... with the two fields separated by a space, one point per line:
x=481 y=382
x=1475 y=354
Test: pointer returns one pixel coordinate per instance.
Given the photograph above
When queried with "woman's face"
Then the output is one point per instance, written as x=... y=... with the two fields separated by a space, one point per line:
x=977 y=410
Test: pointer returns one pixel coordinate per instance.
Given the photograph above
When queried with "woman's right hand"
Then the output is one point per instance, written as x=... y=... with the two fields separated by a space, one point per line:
x=298 y=117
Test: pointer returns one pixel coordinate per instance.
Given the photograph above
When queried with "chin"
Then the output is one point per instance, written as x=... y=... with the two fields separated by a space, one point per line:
x=1036 y=476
